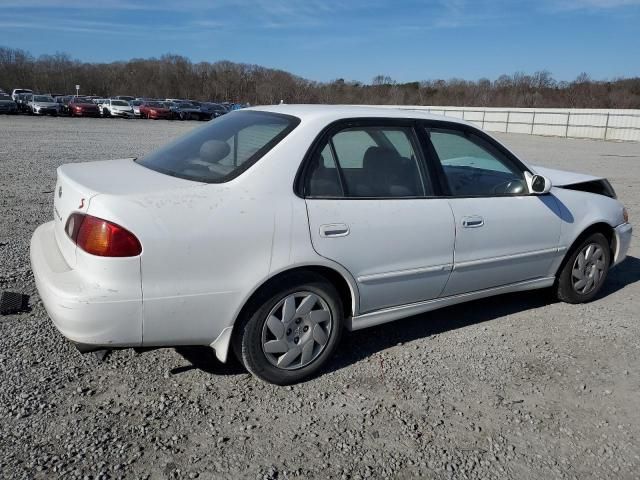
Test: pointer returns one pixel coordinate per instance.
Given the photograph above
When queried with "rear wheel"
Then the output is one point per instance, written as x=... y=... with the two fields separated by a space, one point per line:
x=291 y=329
x=585 y=270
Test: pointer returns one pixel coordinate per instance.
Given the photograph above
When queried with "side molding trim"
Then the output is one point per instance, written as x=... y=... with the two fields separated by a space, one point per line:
x=374 y=277
x=402 y=311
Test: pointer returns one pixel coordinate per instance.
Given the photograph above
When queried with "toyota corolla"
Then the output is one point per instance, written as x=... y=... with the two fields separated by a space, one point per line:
x=270 y=230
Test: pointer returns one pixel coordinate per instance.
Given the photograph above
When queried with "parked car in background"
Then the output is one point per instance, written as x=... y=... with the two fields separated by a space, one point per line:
x=155 y=111
x=126 y=98
x=43 y=105
x=18 y=91
x=7 y=104
x=98 y=101
x=135 y=104
x=186 y=111
x=63 y=101
x=83 y=107
x=116 y=108
x=355 y=217
x=212 y=110
x=22 y=102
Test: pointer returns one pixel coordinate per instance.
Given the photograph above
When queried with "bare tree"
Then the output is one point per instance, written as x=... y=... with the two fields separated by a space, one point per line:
x=175 y=76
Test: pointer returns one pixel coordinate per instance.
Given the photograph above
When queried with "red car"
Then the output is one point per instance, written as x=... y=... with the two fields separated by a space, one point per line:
x=83 y=107
x=154 y=110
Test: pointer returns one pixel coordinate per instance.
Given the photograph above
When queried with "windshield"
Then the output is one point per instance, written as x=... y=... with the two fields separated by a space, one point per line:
x=43 y=98
x=155 y=104
x=4 y=97
x=135 y=103
x=119 y=103
x=222 y=149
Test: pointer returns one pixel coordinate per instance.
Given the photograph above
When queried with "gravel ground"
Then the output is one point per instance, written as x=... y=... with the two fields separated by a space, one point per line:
x=509 y=387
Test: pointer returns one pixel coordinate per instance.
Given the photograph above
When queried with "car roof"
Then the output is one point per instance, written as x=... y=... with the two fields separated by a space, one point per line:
x=332 y=113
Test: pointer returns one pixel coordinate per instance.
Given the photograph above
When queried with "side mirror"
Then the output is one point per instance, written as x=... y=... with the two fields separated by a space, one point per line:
x=539 y=185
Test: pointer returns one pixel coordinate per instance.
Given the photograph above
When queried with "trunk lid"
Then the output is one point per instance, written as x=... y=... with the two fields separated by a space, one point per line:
x=78 y=183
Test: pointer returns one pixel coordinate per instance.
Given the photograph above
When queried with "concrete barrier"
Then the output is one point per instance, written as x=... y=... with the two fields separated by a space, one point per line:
x=600 y=124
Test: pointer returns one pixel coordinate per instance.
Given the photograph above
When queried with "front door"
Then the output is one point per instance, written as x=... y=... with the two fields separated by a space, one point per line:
x=504 y=234
x=371 y=209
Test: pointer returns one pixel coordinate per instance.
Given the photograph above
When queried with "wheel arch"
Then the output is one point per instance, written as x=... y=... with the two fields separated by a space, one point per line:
x=597 y=227
x=342 y=281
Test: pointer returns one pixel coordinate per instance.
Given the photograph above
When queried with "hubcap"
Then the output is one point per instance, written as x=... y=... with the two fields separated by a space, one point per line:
x=297 y=330
x=588 y=269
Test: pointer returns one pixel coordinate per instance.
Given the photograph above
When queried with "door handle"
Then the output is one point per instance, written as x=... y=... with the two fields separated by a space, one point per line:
x=334 y=230
x=472 y=222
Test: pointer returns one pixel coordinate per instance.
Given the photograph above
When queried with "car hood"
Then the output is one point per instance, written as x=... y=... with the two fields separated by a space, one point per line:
x=562 y=178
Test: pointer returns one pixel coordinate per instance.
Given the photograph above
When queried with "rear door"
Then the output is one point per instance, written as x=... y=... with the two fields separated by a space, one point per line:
x=372 y=209
x=504 y=234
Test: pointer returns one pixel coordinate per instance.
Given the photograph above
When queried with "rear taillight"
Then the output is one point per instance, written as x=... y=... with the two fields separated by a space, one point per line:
x=100 y=237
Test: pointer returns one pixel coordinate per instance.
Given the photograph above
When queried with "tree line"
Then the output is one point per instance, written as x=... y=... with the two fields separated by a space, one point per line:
x=175 y=76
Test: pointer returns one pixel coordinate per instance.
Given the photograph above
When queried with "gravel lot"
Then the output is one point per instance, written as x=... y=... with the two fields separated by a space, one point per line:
x=510 y=387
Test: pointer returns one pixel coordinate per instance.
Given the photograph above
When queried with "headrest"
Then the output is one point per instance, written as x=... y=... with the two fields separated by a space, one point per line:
x=212 y=151
x=380 y=159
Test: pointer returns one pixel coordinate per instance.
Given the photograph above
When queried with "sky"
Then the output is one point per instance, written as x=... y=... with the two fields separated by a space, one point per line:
x=408 y=40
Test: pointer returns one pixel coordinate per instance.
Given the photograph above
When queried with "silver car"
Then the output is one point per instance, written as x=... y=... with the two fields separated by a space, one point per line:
x=43 y=105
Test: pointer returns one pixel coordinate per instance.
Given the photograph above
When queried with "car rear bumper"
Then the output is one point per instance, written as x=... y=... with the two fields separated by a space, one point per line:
x=623 y=239
x=80 y=309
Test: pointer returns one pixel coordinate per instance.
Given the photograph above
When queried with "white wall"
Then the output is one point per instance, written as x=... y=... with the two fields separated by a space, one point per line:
x=599 y=124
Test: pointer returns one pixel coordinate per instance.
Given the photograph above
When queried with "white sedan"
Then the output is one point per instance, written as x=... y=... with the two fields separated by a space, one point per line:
x=269 y=230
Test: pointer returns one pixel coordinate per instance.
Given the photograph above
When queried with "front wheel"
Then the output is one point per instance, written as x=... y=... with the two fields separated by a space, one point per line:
x=585 y=270
x=291 y=329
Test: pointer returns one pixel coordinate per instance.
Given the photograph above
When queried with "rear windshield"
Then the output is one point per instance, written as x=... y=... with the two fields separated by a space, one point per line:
x=119 y=103
x=223 y=148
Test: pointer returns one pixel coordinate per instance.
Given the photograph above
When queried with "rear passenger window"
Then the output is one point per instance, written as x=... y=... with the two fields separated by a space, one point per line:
x=324 y=179
x=376 y=162
x=351 y=147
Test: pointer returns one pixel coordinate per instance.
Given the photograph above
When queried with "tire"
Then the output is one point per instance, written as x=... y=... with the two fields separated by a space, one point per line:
x=584 y=271
x=304 y=334
x=106 y=113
